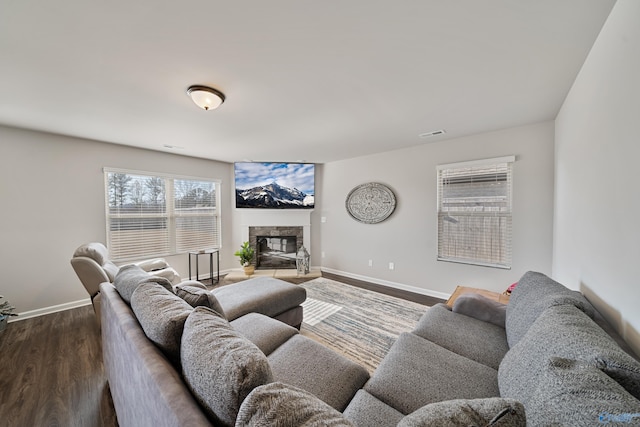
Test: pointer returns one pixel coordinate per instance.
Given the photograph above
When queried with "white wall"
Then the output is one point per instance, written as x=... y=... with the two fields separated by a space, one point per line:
x=51 y=188
x=409 y=237
x=597 y=197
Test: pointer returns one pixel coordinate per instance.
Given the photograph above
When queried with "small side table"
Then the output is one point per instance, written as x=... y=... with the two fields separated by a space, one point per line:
x=209 y=252
x=495 y=296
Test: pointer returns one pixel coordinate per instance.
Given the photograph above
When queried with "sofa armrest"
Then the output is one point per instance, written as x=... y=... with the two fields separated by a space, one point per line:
x=90 y=273
x=481 y=308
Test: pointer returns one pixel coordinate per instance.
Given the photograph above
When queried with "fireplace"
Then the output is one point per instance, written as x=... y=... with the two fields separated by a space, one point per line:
x=276 y=252
x=276 y=247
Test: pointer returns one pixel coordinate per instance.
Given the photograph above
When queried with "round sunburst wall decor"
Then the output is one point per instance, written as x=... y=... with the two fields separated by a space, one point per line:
x=371 y=203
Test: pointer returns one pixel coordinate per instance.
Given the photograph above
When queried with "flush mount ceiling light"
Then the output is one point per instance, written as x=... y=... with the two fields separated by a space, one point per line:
x=205 y=97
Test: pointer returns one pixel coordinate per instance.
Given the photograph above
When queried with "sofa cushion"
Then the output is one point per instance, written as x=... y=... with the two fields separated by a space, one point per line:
x=417 y=372
x=265 y=332
x=574 y=393
x=162 y=315
x=366 y=410
x=264 y=295
x=198 y=297
x=534 y=294
x=564 y=331
x=481 y=341
x=278 y=404
x=481 y=308
x=493 y=411
x=131 y=276
x=220 y=366
x=304 y=363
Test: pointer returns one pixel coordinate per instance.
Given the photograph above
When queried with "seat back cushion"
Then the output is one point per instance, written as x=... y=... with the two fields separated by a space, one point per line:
x=219 y=365
x=535 y=293
x=278 y=404
x=96 y=251
x=494 y=411
x=162 y=315
x=564 y=331
x=573 y=393
x=196 y=296
x=131 y=276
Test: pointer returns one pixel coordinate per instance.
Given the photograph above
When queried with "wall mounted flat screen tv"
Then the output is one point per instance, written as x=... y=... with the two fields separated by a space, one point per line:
x=271 y=185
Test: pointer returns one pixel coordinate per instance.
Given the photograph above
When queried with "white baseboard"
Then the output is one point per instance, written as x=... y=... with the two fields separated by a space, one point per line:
x=49 y=310
x=395 y=285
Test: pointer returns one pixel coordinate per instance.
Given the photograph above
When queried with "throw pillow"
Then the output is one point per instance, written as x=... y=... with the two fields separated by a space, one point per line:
x=219 y=365
x=131 y=276
x=162 y=315
x=196 y=297
x=574 y=393
x=282 y=405
x=493 y=411
x=481 y=308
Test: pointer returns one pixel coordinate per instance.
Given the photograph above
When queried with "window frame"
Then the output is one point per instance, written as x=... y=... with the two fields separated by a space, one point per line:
x=504 y=259
x=169 y=214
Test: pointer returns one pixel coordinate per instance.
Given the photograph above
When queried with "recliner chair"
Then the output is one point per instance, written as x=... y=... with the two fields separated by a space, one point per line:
x=92 y=265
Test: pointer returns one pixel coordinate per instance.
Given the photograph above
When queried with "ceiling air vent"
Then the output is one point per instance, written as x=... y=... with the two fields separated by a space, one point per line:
x=433 y=133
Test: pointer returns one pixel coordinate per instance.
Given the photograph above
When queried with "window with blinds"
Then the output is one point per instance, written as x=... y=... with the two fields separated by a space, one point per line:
x=474 y=212
x=151 y=215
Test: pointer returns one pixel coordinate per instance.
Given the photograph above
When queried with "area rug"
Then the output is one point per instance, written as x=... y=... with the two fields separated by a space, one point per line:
x=315 y=311
x=366 y=324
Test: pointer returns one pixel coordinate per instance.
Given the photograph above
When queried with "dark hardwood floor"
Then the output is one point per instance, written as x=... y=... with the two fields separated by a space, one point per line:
x=51 y=371
x=52 y=374
x=398 y=293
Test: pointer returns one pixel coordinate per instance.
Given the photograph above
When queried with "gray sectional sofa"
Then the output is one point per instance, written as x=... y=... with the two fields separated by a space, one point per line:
x=169 y=363
x=541 y=360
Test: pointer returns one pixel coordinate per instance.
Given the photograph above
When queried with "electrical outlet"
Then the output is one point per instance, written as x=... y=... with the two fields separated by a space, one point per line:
x=370 y=263
x=323 y=219
x=322 y=254
x=392 y=266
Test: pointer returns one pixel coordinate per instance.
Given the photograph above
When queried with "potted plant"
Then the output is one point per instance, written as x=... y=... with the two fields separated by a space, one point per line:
x=246 y=254
x=6 y=310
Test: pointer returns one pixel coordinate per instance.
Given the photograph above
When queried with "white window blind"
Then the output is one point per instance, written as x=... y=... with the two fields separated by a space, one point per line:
x=474 y=212
x=152 y=215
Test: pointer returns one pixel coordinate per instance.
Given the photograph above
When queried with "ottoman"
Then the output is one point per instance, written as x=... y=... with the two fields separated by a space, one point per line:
x=265 y=295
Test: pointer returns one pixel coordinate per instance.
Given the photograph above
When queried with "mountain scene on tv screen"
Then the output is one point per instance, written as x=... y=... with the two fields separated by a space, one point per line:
x=273 y=196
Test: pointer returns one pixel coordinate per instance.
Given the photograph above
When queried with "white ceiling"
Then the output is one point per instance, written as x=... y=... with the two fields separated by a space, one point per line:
x=305 y=80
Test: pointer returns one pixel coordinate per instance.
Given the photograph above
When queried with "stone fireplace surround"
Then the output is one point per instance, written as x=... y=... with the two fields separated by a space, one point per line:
x=273 y=218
